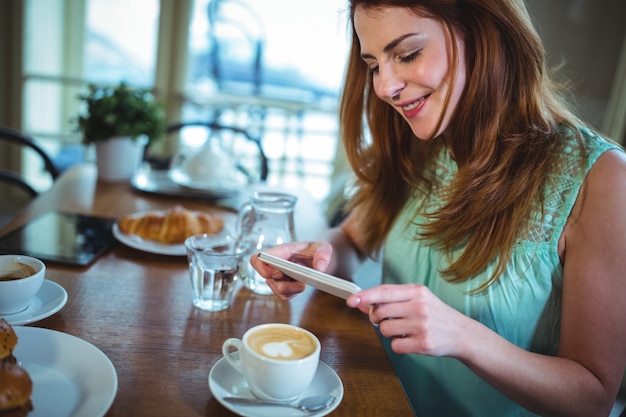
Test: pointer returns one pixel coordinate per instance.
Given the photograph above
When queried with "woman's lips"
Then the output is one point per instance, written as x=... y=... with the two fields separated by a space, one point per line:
x=414 y=107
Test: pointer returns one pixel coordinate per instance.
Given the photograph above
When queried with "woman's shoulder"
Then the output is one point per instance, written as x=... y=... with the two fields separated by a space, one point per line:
x=602 y=198
x=586 y=164
x=606 y=159
x=608 y=172
x=581 y=149
x=594 y=144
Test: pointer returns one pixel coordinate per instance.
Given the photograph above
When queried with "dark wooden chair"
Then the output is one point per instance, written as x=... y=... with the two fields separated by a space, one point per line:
x=16 y=191
x=10 y=175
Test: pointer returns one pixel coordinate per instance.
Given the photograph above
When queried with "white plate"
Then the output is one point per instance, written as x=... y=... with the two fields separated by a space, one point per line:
x=225 y=381
x=50 y=299
x=225 y=187
x=71 y=377
x=146 y=245
x=151 y=246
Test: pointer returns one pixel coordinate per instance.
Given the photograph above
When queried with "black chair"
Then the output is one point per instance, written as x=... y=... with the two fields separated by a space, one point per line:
x=15 y=190
x=15 y=178
x=242 y=146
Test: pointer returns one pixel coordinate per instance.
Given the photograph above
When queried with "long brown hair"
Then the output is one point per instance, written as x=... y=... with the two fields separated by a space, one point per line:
x=503 y=135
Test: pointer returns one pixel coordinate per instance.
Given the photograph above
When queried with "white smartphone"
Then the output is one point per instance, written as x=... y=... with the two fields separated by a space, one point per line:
x=324 y=282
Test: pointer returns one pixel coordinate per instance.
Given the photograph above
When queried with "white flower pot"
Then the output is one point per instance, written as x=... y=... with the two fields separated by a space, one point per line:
x=119 y=158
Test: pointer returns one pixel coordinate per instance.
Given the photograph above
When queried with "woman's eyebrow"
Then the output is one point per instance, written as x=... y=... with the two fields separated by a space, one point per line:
x=389 y=46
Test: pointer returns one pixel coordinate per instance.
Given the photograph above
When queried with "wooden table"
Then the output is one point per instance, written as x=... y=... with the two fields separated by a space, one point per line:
x=136 y=308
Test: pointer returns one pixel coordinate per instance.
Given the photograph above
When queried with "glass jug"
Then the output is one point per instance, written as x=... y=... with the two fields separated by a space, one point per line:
x=265 y=221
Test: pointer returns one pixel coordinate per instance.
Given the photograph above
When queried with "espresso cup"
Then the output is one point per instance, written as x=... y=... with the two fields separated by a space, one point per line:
x=21 y=278
x=278 y=361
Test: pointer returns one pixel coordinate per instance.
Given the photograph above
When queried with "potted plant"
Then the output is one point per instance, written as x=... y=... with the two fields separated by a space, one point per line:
x=120 y=122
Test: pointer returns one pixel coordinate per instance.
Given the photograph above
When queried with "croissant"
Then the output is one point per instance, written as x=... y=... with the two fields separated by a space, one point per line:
x=172 y=226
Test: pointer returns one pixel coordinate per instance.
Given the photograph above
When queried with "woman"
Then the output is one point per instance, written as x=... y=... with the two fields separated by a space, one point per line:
x=499 y=215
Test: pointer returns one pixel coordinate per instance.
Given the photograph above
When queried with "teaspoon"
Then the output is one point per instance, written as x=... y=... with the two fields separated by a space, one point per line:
x=308 y=404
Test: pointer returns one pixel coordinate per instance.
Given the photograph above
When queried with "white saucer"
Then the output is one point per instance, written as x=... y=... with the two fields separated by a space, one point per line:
x=50 y=299
x=225 y=381
x=228 y=186
x=71 y=377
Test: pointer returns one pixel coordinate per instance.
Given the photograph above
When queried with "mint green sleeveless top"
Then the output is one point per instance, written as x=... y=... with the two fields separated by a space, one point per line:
x=523 y=306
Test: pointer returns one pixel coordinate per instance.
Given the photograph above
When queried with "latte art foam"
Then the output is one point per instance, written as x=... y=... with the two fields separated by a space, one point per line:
x=282 y=343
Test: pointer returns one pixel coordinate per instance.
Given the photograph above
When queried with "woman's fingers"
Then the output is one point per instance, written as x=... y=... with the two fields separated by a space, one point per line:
x=316 y=254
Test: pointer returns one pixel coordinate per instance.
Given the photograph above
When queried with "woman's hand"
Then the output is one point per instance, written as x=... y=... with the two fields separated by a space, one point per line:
x=416 y=320
x=315 y=255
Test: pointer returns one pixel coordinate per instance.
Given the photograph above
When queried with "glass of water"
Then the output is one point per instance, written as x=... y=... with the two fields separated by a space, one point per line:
x=214 y=269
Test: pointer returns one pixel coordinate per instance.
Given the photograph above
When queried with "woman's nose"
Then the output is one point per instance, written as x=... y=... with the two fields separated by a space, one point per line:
x=390 y=84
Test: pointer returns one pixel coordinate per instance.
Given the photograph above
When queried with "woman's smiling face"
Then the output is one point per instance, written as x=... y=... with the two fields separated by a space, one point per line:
x=410 y=58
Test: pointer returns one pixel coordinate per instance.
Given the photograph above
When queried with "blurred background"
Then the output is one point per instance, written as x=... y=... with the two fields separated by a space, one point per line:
x=273 y=67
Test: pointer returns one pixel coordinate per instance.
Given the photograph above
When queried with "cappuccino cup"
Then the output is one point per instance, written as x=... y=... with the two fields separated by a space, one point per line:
x=278 y=361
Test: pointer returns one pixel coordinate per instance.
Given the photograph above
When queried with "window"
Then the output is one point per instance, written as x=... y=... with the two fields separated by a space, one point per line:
x=251 y=65
x=121 y=41
x=69 y=43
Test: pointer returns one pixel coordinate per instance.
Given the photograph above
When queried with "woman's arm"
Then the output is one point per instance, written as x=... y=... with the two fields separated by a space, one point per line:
x=348 y=252
x=584 y=377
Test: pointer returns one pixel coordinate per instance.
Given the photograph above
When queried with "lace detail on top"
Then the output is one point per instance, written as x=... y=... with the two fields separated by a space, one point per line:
x=561 y=189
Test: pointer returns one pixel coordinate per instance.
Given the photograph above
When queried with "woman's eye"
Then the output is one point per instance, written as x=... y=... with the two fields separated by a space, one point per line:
x=373 y=69
x=410 y=57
